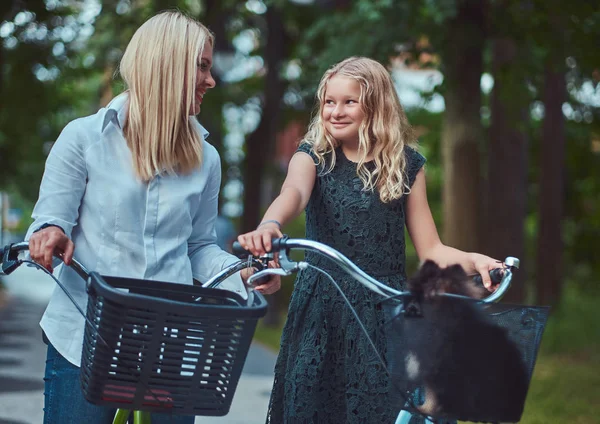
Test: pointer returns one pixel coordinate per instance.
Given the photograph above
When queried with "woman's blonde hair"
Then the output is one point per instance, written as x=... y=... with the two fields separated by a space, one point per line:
x=384 y=132
x=159 y=69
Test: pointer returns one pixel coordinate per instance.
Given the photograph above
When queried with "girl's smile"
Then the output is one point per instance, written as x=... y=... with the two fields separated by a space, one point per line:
x=342 y=111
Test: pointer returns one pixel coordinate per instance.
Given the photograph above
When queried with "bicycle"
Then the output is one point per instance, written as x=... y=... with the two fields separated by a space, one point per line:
x=160 y=347
x=524 y=325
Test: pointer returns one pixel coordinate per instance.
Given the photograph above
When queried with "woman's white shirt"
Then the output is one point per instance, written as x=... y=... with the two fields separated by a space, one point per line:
x=163 y=230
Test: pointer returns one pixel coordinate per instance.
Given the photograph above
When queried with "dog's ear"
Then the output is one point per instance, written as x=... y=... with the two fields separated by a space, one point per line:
x=429 y=269
x=455 y=273
x=427 y=273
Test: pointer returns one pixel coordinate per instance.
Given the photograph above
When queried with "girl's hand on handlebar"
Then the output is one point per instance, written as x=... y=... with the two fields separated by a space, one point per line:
x=259 y=241
x=483 y=265
x=44 y=243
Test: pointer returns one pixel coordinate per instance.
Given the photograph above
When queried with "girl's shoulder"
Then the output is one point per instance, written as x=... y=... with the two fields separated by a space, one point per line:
x=414 y=162
x=412 y=155
x=307 y=148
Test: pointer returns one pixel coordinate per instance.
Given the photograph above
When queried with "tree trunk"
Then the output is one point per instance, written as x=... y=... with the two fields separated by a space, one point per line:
x=462 y=131
x=550 y=243
x=507 y=171
x=259 y=145
x=212 y=116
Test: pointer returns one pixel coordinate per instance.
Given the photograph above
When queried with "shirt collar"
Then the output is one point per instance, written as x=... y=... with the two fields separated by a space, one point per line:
x=117 y=112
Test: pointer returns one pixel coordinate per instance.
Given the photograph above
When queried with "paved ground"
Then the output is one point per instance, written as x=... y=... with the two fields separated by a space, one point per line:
x=22 y=359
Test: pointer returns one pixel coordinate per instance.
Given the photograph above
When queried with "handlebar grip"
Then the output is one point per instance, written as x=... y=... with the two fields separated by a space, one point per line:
x=495 y=274
x=238 y=250
x=276 y=245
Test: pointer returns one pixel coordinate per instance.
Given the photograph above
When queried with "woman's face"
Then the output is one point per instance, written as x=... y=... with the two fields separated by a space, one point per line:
x=204 y=79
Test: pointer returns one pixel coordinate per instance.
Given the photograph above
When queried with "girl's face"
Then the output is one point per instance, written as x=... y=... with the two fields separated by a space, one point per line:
x=204 y=79
x=342 y=112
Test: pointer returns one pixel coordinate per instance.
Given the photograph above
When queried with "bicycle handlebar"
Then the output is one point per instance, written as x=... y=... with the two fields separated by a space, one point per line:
x=9 y=261
x=502 y=276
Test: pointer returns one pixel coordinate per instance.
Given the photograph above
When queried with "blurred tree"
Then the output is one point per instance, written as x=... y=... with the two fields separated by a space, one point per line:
x=259 y=144
x=508 y=144
x=569 y=215
x=462 y=65
x=217 y=15
x=39 y=41
x=549 y=247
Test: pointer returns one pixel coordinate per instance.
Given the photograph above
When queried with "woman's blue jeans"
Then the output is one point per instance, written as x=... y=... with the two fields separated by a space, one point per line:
x=65 y=404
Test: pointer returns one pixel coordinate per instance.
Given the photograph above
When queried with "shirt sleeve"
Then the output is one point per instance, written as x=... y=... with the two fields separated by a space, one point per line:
x=63 y=183
x=206 y=257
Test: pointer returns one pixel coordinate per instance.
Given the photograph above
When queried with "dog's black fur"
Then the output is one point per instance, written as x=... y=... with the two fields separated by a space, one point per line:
x=469 y=367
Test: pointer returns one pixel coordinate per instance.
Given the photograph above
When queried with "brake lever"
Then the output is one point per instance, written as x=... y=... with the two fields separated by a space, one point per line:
x=286 y=267
x=266 y=272
x=10 y=261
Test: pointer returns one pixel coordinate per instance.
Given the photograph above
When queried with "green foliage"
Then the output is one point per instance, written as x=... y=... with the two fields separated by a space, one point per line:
x=48 y=80
x=38 y=64
x=574 y=327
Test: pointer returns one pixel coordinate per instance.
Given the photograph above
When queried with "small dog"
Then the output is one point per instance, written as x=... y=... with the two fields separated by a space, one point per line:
x=467 y=365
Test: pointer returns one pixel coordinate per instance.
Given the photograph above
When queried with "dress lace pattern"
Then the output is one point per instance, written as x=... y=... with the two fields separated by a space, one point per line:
x=327 y=372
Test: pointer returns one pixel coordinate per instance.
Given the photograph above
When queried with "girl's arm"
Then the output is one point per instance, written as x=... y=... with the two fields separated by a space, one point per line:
x=292 y=200
x=424 y=235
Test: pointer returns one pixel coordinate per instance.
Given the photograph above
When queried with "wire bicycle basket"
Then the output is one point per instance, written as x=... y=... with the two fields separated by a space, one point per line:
x=169 y=348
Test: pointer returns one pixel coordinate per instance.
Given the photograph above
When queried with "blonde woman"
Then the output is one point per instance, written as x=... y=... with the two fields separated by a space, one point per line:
x=133 y=190
x=361 y=180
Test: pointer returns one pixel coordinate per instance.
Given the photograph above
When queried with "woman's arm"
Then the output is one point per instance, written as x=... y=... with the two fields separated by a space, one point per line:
x=293 y=198
x=61 y=191
x=425 y=237
x=206 y=257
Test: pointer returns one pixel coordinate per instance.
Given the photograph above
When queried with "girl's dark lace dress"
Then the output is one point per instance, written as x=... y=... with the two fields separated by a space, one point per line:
x=327 y=371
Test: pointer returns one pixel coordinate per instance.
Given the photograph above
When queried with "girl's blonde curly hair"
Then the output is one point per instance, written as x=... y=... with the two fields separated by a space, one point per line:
x=383 y=134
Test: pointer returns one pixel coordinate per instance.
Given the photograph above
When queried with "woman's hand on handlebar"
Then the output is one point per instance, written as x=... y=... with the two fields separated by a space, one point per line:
x=258 y=242
x=44 y=243
x=268 y=286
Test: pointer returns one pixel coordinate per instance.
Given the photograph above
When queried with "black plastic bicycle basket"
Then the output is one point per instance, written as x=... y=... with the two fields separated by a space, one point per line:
x=165 y=347
x=458 y=359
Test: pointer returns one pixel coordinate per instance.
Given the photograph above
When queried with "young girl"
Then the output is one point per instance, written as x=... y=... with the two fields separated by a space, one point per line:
x=360 y=178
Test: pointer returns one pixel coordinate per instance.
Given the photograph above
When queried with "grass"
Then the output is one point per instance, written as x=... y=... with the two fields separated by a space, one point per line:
x=566 y=382
x=565 y=387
